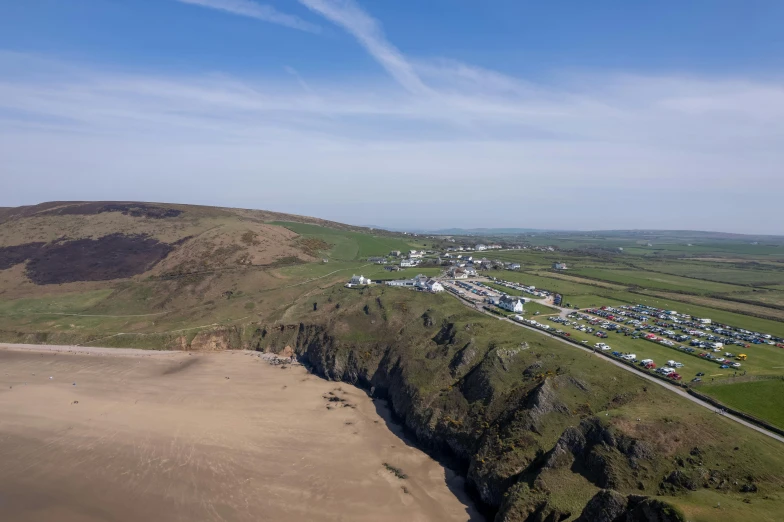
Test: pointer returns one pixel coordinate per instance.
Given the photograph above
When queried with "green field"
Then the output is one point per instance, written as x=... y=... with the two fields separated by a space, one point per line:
x=378 y=272
x=62 y=303
x=593 y=301
x=348 y=245
x=554 y=285
x=763 y=297
x=530 y=308
x=761 y=398
x=739 y=275
x=654 y=280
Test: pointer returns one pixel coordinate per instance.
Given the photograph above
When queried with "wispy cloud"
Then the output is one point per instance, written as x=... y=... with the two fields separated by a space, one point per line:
x=620 y=145
x=368 y=32
x=262 y=12
x=608 y=150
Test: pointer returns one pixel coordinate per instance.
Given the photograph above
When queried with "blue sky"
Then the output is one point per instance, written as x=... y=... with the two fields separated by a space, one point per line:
x=435 y=113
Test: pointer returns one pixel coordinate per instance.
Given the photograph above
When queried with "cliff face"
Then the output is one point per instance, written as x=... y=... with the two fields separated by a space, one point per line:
x=452 y=392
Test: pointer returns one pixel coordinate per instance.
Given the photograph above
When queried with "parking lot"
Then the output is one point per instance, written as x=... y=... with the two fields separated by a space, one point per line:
x=679 y=347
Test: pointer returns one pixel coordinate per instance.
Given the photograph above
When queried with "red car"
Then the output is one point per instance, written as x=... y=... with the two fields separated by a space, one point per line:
x=675 y=376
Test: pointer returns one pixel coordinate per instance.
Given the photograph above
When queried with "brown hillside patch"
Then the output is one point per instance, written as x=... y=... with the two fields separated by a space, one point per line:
x=13 y=255
x=114 y=256
x=313 y=246
x=128 y=209
x=232 y=245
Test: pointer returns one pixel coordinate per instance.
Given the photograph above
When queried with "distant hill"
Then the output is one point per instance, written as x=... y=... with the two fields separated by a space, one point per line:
x=617 y=234
x=482 y=231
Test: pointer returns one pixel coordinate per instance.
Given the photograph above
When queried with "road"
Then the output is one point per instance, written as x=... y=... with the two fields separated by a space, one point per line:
x=675 y=389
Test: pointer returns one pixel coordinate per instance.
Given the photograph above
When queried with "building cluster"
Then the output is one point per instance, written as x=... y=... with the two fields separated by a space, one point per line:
x=358 y=280
x=397 y=259
x=420 y=282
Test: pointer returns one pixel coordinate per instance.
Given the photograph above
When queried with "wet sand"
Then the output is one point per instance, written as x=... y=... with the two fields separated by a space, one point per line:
x=166 y=436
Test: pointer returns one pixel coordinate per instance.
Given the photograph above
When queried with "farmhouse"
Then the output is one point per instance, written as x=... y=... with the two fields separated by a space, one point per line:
x=392 y=268
x=481 y=247
x=428 y=284
x=513 y=266
x=458 y=273
x=395 y=253
x=408 y=263
x=434 y=286
x=359 y=280
x=512 y=304
x=559 y=266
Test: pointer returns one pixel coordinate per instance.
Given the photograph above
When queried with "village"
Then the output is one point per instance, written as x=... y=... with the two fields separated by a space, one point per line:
x=460 y=262
x=697 y=338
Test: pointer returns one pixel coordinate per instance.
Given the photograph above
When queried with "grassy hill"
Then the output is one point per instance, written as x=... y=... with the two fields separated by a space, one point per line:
x=348 y=245
x=129 y=272
x=541 y=430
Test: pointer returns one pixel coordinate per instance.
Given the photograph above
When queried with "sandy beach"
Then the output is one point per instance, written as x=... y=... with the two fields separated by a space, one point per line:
x=90 y=434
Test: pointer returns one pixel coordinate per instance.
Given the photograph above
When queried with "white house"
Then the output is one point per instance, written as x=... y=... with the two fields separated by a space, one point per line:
x=414 y=254
x=481 y=247
x=512 y=304
x=458 y=273
x=513 y=266
x=408 y=263
x=359 y=280
x=420 y=282
x=559 y=266
x=434 y=286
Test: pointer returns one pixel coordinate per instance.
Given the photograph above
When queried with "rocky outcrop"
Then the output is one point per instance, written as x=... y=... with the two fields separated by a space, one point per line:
x=652 y=510
x=462 y=360
x=611 y=506
x=215 y=340
x=605 y=458
x=677 y=481
x=606 y=506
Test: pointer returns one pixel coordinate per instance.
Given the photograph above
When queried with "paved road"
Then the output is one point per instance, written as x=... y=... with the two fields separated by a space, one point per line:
x=659 y=382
